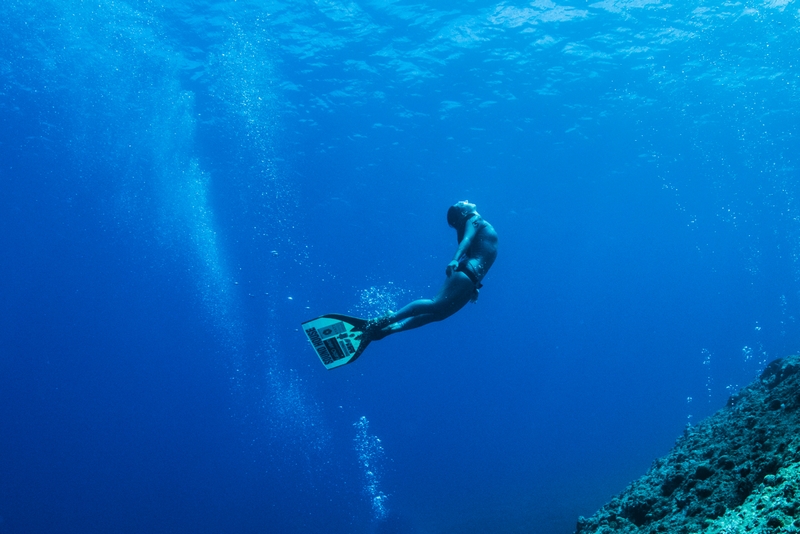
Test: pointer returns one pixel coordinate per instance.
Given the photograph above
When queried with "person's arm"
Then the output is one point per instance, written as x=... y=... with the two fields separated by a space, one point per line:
x=469 y=234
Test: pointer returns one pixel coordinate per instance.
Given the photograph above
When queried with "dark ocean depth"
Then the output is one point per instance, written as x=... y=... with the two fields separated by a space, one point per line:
x=182 y=183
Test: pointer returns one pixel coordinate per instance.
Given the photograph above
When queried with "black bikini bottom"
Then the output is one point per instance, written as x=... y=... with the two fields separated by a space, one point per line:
x=464 y=269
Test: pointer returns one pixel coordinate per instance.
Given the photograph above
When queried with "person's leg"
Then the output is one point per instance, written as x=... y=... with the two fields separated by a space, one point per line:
x=455 y=293
x=390 y=324
x=413 y=309
x=412 y=322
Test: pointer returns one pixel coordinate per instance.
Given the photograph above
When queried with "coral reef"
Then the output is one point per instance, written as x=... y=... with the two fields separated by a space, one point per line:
x=736 y=472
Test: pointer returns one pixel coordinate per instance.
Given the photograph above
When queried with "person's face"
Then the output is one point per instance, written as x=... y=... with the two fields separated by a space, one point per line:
x=466 y=206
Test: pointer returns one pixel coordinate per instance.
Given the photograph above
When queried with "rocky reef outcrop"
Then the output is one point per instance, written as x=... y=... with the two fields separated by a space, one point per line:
x=736 y=472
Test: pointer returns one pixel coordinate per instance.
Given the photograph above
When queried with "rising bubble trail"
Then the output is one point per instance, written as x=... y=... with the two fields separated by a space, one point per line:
x=370 y=459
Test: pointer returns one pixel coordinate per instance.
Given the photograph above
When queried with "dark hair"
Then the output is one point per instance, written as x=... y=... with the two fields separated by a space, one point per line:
x=454 y=216
x=457 y=217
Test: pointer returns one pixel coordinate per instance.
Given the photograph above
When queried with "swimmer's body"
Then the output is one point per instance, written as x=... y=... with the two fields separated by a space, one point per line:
x=476 y=252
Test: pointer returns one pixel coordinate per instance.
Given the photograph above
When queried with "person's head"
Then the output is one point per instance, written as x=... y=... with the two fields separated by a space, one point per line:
x=458 y=215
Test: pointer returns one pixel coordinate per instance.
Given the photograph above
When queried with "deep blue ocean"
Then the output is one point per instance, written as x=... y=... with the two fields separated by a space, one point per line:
x=183 y=182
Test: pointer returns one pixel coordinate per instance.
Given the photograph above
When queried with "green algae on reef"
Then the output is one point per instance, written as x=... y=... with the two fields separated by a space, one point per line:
x=737 y=471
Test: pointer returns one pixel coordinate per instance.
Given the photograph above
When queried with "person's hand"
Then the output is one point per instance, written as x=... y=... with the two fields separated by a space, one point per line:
x=451 y=267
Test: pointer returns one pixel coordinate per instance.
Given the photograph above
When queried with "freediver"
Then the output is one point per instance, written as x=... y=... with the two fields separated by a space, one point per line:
x=476 y=252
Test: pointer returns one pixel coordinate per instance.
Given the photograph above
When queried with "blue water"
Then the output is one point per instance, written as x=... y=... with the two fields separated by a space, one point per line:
x=183 y=183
